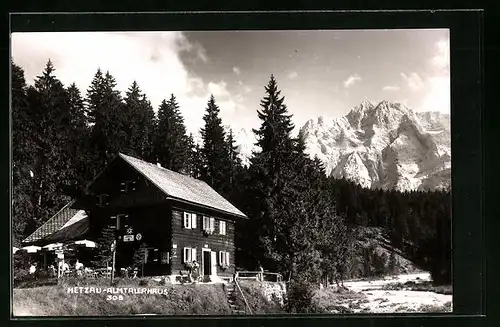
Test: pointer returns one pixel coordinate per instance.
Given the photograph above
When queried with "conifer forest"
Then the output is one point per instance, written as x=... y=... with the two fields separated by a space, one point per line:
x=303 y=224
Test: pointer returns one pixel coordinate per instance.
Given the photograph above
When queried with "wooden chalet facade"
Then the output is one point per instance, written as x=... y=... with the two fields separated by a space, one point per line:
x=178 y=218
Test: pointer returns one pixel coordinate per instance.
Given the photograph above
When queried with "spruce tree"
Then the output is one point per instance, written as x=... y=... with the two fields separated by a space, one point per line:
x=54 y=136
x=234 y=170
x=138 y=124
x=104 y=255
x=23 y=157
x=173 y=147
x=106 y=117
x=213 y=151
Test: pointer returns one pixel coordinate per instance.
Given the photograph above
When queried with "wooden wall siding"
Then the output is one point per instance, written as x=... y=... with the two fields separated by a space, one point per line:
x=146 y=193
x=194 y=238
x=152 y=222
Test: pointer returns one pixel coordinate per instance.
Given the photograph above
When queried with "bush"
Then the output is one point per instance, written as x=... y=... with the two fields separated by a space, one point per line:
x=300 y=298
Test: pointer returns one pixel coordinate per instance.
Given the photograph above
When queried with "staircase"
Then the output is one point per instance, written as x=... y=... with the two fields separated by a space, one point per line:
x=231 y=299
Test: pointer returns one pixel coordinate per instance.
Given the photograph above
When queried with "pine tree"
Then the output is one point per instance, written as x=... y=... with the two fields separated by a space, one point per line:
x=234 y=169
x=106 y=117
x=104 y=255
x=138 y=124
x=23 y=159
x=194 y=163
x=173 y=147
x=49 y=105
x=78 y=145
x=139 y=257
x=214 y=148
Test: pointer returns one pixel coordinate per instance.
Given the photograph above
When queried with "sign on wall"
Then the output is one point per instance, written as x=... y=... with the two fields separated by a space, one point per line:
x=138 y=237
x=128 y=238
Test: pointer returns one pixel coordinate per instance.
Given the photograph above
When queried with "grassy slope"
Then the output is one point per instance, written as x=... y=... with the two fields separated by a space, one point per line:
x=181 y=300
x=256 y=300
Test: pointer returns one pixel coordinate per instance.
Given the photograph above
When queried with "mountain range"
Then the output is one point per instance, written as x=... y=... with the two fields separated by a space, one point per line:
x=378 y=145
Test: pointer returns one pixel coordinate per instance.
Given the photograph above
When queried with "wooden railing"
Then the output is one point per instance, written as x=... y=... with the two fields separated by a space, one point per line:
x=243 y=296
x=259 y=276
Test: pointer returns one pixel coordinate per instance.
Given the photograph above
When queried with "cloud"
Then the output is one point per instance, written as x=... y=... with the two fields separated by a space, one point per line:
x=351 y=80
x=437 y=79
x=156 y=60
x=292 y=75
x=441 y=59
x=438 y=96
x=236 y=70
x=219 y=90
x=391 y=88
x=414 y=81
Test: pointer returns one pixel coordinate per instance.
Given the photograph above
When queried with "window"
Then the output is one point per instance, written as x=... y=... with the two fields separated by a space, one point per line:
x=193 y=220
x=224 y=258
x=222 y=227
x=103 y=199
x=120 y=220
x=189 y=254
x=127 y=186
x=208 y=223
x=151 y=255
x=189 y=220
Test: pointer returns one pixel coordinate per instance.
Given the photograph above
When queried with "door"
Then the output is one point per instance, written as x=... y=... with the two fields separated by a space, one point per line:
x=207 y=263
x=214 y=263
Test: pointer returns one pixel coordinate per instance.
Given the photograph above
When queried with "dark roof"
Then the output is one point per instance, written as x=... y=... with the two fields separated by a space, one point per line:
x=183 y=187
x=70 y=232
x=55 y=223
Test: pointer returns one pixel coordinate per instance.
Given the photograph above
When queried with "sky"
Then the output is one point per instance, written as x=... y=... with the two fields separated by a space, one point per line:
x=320 y=73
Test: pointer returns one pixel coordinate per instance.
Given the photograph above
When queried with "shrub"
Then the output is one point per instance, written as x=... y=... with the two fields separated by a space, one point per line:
x=300 y=298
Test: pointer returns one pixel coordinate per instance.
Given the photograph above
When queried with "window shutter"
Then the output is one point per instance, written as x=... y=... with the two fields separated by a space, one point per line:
x=193 y=254
x=222 y=227
x=227 y=258
x=212 y=223
x=205 y=222
x=187 y=220
x=194 y=217
x=220 y=258
x=185 y=255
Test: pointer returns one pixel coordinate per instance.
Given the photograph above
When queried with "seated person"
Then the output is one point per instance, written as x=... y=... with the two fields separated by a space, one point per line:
x=78 y=267
x=32 y=268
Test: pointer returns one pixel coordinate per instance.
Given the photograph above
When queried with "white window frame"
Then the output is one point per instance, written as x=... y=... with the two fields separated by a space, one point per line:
x=189 y=254
x=206 y=222
x=223 y=258
x=222 y=227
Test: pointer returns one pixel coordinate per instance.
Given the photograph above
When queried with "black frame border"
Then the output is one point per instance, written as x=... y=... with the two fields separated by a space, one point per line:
x=466 y=28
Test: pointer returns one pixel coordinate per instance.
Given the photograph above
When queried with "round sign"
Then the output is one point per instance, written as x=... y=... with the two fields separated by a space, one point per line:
x=138 y=236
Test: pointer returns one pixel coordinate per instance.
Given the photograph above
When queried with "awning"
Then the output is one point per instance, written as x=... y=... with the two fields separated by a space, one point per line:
x=87 y=243
x=31 y=248
x=53 y=246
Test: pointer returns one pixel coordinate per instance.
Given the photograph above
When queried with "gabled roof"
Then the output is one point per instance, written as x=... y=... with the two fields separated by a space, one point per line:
x=60 y=220
x=181 y=187
x=74 y=229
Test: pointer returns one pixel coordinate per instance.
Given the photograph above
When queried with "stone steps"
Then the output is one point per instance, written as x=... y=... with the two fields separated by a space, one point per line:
x=231 y=299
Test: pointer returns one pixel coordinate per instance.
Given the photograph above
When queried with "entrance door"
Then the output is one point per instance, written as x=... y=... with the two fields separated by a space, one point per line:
x=207 y=263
